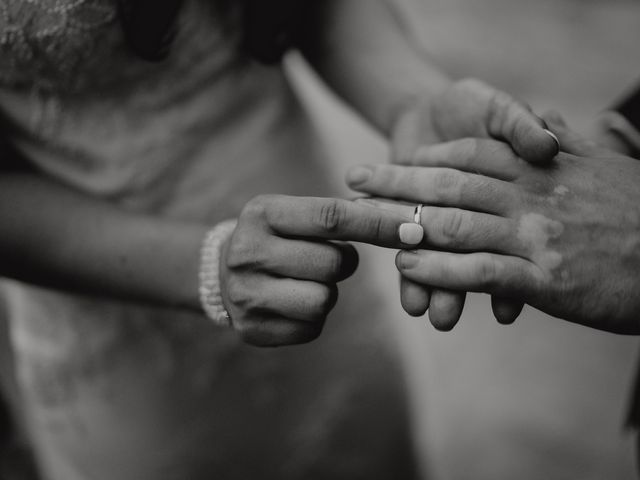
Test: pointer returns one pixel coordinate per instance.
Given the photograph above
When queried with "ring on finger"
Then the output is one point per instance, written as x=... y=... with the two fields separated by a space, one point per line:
x=413 y=233
x=417 y=214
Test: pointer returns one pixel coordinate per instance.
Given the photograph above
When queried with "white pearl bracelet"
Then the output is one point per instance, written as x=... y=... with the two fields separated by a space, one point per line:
x=209 y=275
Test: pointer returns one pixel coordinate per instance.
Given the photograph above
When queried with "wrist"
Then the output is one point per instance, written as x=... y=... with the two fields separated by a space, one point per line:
x=183 y=252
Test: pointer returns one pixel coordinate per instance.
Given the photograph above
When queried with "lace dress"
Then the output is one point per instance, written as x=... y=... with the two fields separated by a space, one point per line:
x=116 y=391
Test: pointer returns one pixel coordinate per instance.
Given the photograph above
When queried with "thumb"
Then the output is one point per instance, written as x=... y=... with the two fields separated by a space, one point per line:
x=571 y=141
x=515 y=123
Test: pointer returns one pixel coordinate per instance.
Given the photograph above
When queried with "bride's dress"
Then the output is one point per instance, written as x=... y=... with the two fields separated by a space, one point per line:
x=113 y=391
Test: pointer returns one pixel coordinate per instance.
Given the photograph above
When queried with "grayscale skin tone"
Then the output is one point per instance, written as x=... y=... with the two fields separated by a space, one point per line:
x=81 y=237
x=261 y=251
x=497 y=224
x=140 y=257
x=468 y=108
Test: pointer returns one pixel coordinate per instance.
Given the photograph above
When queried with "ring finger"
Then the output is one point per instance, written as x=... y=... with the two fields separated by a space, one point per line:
x=461 y=230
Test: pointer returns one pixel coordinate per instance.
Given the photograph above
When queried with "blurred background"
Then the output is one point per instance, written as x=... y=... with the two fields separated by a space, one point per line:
x=540 y=399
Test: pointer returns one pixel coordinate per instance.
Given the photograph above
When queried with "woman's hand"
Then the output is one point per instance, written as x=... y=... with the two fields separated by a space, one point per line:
x=280 y=269
x=468 y=108
x=565 y=239
x=471 y=108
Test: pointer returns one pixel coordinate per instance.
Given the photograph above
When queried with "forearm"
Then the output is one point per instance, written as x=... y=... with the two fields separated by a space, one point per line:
x=53 y=236
x=364 y=53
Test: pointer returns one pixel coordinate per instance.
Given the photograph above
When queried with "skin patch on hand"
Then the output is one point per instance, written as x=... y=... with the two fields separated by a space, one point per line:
x=561 y=190
x=558 y=192
x=535 y=231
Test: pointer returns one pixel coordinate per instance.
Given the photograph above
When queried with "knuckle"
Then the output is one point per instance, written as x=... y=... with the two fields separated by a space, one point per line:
x=254 y=305
x=447 y=184
x=237 y=293
x=454 y=227
x=330 y=216
x=445 y=180
x=244 y=298
x=498 y=110
x=241 y=253
x=376 y=227
x=256 y=207
x=487 y=271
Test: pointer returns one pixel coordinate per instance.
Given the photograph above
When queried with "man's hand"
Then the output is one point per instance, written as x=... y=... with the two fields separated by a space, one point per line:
x=471 y=108
x=468 y=108
x=565 y=239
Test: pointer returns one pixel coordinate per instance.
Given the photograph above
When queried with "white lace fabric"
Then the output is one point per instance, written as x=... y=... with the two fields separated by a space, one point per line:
x=82 y=107
x=46 y=42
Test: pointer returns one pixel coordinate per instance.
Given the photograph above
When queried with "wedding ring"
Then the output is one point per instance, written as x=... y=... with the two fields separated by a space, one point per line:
x=417 y=214
x=413 y=233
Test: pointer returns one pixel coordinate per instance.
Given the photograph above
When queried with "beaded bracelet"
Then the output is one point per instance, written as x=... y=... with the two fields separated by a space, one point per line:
x=209 y=275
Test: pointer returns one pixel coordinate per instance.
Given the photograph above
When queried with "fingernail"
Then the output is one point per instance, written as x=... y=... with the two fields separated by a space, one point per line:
x=553 y=135
x=407 y=260
x=543 y=122
x=411 y=233
x=359 y=175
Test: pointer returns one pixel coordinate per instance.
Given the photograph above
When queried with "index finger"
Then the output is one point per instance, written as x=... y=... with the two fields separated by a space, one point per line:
x=335 y=219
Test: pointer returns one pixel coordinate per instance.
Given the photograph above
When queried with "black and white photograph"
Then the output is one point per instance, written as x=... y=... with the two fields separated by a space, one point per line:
x=319 y=240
